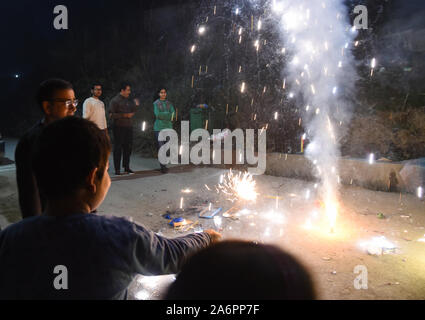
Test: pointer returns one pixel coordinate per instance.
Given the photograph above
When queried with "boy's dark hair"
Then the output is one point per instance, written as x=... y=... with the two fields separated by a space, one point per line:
x=96 y=84
x=65 y=153
x=242 y=270
x=48 y=88
x=124 y=85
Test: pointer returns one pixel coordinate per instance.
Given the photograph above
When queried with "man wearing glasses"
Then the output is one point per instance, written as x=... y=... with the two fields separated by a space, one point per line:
x=94 y=109
x=56 y=99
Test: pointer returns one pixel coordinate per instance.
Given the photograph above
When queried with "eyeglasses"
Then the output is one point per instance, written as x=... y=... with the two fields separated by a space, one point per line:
x=68 y=103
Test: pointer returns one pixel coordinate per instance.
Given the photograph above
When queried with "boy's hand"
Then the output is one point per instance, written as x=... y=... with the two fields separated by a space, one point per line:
x=215 y=236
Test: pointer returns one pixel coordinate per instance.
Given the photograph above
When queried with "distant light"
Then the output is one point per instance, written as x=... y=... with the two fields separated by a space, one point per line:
x=373 y=63
x=334 y=90
x=237 y=11
x=353 y=29
x=259 y=25
x=291 y=95
x=16 y=76
x=275 y=115
x=371 y=158
x=201 y=30
x=304 y=136
x=193 y=49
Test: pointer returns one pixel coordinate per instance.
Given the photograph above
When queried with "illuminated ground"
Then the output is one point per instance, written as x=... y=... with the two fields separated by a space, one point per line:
x=330 y=258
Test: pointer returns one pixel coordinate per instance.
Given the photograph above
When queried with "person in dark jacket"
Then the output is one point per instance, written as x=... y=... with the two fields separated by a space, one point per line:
x=68 y=252
x=56 y=99
x=122 y=110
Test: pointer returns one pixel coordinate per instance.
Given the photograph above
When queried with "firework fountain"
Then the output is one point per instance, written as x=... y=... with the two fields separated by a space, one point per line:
x=313 y=52
x=322 y=71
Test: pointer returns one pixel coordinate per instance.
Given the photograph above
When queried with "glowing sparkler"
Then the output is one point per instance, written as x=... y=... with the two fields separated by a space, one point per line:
x=239 y=186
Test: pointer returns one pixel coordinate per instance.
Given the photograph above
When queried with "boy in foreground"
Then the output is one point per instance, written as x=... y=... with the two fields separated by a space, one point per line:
x=69 y=253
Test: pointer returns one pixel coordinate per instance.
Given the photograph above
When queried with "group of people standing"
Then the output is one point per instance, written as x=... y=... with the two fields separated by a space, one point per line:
x=121 y=110
x=62 y=249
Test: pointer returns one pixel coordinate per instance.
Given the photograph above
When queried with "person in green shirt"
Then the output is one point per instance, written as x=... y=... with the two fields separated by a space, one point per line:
x=164 y=117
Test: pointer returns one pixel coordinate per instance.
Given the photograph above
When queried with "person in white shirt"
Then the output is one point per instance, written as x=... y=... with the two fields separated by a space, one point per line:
x=94 y=109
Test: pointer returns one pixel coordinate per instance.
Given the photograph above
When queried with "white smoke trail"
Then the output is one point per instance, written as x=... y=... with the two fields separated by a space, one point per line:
x=319 y=37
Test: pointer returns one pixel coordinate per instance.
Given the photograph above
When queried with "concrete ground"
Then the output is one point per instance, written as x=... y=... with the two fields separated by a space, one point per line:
x=331 y=258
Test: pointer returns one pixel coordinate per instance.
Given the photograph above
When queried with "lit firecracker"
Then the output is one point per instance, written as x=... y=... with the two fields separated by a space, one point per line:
x=239 y=186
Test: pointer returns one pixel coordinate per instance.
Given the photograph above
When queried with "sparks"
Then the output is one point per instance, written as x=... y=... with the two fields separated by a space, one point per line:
x=243 y=87
x=239 y=186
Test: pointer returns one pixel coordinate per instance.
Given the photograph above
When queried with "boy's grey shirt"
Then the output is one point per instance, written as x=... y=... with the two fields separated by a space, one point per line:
x=102 y=255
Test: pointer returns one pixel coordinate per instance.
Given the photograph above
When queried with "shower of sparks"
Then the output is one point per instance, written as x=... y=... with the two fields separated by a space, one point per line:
x=239 y=186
